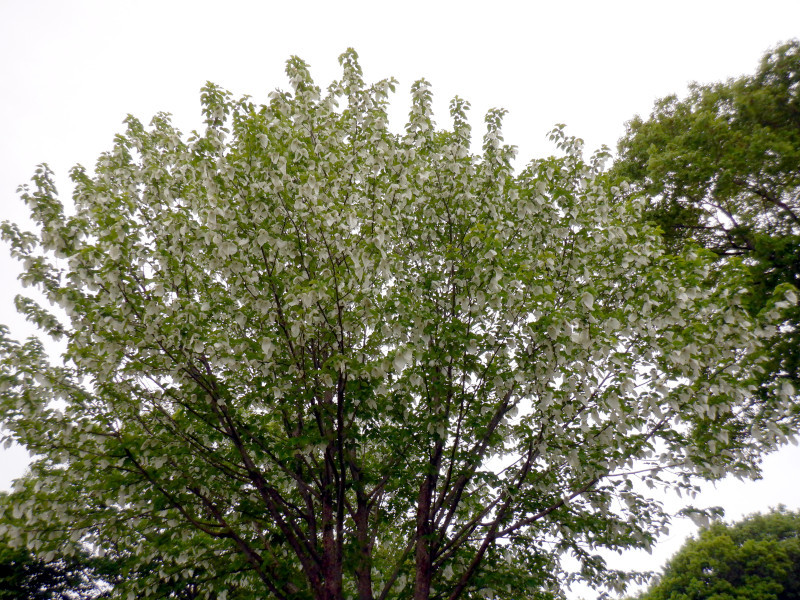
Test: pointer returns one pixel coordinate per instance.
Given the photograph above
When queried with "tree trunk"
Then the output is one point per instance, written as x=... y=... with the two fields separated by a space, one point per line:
x=422 y=583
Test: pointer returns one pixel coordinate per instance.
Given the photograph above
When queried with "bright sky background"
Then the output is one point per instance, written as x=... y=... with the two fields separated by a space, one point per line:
x=71 y=70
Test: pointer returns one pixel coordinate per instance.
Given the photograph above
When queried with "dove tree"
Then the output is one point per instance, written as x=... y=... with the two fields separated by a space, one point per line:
x=307 y=356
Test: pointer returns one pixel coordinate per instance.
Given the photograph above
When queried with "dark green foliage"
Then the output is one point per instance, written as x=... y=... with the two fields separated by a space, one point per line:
x=756 y=559
x=722 y=169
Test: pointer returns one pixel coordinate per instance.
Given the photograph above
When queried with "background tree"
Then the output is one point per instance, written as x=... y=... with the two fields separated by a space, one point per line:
x=347 y=362
x=755 y=559
x=73 y=571
x=721 y=168
x=26 y=576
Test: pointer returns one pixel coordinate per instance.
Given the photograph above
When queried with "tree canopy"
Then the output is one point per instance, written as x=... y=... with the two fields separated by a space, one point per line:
x=310 y=357
x=755 y=559
x=721 y=168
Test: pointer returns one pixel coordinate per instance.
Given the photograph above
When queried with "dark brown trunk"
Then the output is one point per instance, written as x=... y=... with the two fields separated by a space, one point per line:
x=422 y=583
x=364 y=565
x=331 y=559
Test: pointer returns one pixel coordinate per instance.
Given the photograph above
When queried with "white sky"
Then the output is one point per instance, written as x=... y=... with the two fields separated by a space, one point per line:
x=71 y=70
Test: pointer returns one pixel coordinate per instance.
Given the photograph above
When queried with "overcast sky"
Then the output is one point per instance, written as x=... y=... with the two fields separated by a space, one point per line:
x=71 y=70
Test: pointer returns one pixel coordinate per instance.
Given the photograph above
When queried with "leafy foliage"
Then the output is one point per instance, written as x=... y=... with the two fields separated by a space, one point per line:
x=755 y=559
x=309 y=357
x=722 y=168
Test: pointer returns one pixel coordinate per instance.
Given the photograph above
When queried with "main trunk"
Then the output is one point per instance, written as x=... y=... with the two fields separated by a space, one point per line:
x=331 y=557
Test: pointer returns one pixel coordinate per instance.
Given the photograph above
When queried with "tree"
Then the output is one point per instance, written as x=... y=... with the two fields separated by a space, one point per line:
x=722 y=168
x=319 y=359
x=757 y=558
